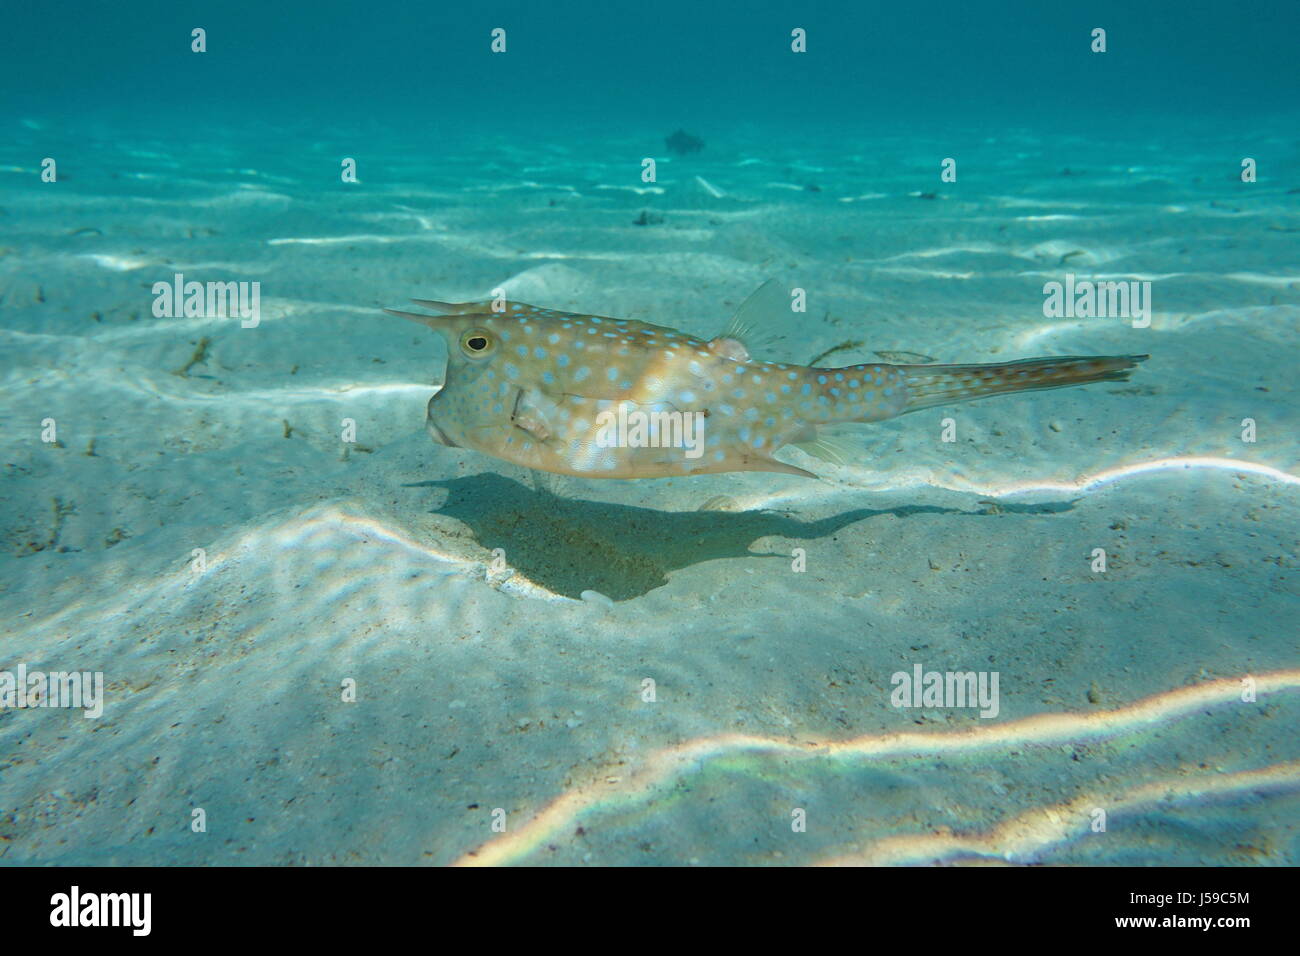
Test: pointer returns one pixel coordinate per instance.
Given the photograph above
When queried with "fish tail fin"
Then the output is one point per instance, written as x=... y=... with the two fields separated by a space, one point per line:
x=931 y=385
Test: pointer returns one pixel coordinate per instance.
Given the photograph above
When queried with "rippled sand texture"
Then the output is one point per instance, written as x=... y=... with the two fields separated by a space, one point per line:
x=484 y=686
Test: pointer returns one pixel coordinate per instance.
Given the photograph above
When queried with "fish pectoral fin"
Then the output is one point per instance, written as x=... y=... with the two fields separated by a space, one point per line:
x=729 y=348
x=536 y=413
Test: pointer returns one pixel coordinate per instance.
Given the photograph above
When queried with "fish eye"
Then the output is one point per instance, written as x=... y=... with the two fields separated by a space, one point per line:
x=477 y=343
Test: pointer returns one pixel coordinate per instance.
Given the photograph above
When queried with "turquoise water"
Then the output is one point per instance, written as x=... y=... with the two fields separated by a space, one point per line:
x=319 y=637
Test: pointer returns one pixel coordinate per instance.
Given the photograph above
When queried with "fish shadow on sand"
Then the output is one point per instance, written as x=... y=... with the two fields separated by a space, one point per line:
x=569 y=545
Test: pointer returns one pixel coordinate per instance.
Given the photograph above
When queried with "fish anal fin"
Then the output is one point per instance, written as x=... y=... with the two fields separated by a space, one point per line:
x=764 y=463
x=837 y=451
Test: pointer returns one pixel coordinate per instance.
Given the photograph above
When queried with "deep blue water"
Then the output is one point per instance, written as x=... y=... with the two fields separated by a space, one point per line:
x=420 y=66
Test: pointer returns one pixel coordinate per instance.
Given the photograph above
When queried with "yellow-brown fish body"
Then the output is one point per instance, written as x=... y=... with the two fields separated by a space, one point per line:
x=599 y=397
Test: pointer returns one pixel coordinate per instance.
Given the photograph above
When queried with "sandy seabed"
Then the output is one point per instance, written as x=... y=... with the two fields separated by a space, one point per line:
x=495 y=692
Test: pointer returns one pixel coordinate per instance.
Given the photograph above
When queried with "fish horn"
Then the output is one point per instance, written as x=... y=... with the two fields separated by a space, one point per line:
x=432 y=321
x=455 y=308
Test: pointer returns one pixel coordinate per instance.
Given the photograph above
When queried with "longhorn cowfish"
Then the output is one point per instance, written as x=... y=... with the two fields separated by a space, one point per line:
x=600 y=397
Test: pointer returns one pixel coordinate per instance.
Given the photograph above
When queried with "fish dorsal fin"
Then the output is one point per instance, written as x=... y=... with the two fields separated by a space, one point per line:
x=759 y=320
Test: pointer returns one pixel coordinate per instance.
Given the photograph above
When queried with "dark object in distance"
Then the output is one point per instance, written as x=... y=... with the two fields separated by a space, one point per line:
x=682 y=143
x=648 y=219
